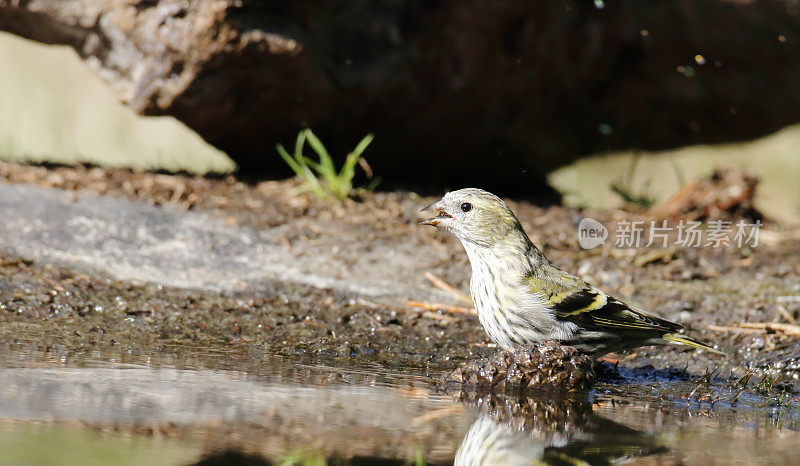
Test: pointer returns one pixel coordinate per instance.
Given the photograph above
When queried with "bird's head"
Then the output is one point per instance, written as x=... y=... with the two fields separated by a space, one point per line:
x=473 y=215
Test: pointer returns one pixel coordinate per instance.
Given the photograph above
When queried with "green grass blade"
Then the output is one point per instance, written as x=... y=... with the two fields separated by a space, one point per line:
x=313 y=183
x=289 y=160
x=310 y=182
x=348 y=171
x=349 y=167
x=362 y=146
x=328 y=171
x=314 y=188
x=298 y=144
x=314 y=165
x=311 y=179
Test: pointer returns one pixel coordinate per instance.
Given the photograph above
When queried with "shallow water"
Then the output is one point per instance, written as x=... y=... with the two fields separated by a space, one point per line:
x=168 y=407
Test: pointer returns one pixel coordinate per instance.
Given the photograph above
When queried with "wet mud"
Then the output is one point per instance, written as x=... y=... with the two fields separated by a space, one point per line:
x=647 y=402
x=57 y=308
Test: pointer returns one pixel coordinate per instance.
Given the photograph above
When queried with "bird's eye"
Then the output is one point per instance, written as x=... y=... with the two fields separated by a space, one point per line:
x=466 y=207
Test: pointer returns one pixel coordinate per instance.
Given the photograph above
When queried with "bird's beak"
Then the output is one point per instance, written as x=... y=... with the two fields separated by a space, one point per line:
x=442 y=220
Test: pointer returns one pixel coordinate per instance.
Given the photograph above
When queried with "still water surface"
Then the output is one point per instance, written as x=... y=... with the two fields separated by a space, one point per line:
x=169 y=407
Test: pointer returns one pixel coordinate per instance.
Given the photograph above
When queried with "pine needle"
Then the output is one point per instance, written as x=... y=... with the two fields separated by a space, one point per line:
x=442 y=307
x=443 y=285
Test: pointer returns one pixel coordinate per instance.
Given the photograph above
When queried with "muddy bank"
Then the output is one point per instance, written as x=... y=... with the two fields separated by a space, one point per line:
x=75 y=320
x=369 y=244
x=59 y=309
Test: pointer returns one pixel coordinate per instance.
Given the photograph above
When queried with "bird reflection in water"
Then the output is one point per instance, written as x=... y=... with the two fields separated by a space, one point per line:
x=530 y=430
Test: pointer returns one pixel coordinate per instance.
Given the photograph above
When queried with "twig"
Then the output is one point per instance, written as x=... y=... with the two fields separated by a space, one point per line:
x=439 y=283
x=785 y=313
x=444 y=319
x=444 y=307
x=790 y=329
x=758 y=327
x=724 y=328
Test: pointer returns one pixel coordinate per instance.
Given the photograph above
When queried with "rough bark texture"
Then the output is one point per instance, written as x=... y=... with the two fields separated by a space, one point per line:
x=471 y=91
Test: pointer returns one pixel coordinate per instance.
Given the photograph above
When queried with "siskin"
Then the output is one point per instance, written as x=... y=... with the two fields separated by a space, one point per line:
x=522 y=298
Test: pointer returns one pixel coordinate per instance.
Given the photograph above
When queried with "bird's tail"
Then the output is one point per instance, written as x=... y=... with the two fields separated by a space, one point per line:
x=684 y=340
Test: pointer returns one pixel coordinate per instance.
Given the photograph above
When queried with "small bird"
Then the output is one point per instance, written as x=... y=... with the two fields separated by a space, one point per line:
x=523 y=299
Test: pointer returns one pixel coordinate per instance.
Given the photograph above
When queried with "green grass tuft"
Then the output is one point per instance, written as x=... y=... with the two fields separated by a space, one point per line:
x=320 y=176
